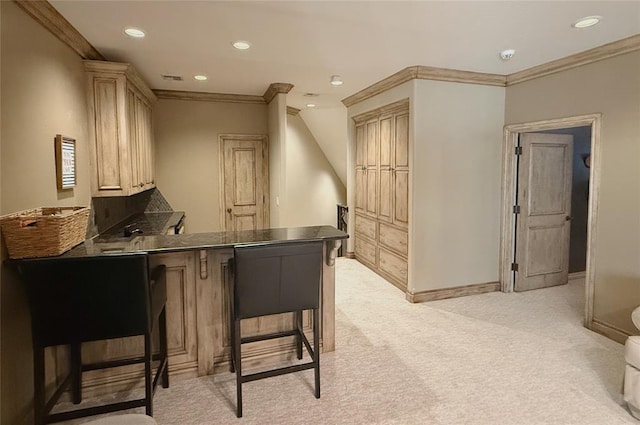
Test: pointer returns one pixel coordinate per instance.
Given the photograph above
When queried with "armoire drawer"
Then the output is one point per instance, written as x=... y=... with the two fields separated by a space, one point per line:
x=366 y=227
x=395 y=239
x=392 y=264
x=365 y=250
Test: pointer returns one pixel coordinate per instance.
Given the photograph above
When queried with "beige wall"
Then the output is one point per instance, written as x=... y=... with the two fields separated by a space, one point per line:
x=456 y=171
x=313 y=187
x=188 y=153
x=277 y=116
x=43 y=94
x=610 y=87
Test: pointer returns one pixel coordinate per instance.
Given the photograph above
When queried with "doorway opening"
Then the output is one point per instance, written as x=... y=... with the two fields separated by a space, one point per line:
x=570 y=142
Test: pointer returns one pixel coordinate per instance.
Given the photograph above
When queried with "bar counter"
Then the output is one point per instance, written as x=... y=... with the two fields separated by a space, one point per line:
x=198 y=295
x=110 y=244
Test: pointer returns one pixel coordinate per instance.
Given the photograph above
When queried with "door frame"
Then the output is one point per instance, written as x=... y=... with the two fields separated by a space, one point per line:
x=265 y=152
x=507 y=225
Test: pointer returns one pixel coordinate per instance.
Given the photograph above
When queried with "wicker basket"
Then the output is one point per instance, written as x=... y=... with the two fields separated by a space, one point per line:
x=44 y=232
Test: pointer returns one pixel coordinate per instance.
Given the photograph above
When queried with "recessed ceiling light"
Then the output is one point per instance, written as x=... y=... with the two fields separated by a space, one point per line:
x=241 y=45
x=505 y=55
x=200 y=77
x=336 y=80
x=587 y=21
x=134 y=32
x=311 y=105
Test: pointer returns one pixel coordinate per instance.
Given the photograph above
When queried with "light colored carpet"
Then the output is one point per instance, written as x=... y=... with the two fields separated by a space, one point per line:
x=520 y=358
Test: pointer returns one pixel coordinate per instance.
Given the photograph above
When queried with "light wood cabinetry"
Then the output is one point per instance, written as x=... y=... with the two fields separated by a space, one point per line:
x=120 y=129
x=382 y=191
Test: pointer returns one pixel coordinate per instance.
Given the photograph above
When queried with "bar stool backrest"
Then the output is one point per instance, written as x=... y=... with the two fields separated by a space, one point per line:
x=73 y=299
x=272 y=279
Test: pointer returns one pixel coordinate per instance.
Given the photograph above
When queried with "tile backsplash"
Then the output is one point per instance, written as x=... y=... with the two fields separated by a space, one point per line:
x=109 y=211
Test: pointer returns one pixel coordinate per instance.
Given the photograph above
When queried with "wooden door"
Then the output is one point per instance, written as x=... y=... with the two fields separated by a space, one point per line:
x=385 y=170
x=245 y=182
x=400 y=197
x=544 y=197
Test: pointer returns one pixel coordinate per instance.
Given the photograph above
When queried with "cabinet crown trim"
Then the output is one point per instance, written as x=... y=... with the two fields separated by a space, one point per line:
x=125 y=69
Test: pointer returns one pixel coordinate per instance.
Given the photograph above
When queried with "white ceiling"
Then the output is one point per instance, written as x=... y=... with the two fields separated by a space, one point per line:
x=305 y=42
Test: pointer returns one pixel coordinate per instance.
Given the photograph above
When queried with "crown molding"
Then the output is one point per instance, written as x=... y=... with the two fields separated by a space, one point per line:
x=419 y=72
x=47 y=16
x=209 y=97
x=125 y=69
x=292 y=111
x=596 y=54
x=393 y=108
x=381 y=86
x=276 y=88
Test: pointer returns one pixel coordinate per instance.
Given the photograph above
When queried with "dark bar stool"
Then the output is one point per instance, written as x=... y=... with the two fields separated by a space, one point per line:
x=76 y=300
x=271 y=279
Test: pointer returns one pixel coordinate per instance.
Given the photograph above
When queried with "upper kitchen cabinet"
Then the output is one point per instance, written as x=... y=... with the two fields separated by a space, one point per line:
x=120 y=129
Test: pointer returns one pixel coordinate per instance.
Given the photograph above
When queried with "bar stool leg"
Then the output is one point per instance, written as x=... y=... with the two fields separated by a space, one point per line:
x=76 y=372
x=38 y=385
x=162 y=328
x=148 y=381
x=316 y=348
x=238 y=357
x=298 y=315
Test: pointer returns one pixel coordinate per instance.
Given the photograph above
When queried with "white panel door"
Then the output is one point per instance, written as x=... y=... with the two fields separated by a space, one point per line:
x=544 y=197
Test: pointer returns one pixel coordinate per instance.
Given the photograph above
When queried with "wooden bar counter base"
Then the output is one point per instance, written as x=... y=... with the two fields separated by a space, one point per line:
x=197 y=306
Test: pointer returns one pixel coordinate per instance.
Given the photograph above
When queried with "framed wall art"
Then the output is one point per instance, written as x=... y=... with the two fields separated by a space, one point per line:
x=65 y=162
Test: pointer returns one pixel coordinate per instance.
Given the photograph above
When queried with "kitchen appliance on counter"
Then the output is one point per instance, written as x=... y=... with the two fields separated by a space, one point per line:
x=148 y=224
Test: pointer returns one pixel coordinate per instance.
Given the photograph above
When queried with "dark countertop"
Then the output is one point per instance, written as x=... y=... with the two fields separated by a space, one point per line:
x=111 y=244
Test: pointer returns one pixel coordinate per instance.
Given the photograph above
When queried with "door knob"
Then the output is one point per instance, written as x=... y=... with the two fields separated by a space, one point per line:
x=568 y=218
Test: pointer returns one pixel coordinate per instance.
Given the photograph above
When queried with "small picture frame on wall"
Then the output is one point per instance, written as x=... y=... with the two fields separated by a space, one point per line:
x=65 y=162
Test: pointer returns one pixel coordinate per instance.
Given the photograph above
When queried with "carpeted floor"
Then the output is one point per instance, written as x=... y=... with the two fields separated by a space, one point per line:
x=520 y=358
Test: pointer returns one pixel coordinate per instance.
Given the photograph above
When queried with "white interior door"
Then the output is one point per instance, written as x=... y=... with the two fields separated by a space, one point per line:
x=544 y=197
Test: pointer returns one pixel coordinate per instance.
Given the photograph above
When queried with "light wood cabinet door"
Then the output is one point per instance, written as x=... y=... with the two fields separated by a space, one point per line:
x=371 y=169
x=182 y=340
x=400 y=197
x=120 y=130
x=385 y=170
x=361 y=182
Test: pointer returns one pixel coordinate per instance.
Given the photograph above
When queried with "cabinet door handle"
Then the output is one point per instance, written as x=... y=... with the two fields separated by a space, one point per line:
x=229 y=210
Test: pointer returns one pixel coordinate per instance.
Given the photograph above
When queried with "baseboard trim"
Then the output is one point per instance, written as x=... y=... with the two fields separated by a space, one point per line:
x=458 y=291
x=577 y=275
x=350 y=255
x=610 y=331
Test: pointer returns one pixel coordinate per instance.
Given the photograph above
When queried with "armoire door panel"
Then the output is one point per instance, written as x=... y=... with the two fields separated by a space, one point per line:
x=401 y=197
x=385 y=193
x=371 y=192
x=361 y=190
x=386 y=139
x=372 y=144
x=402 y=141
x=361 y=147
